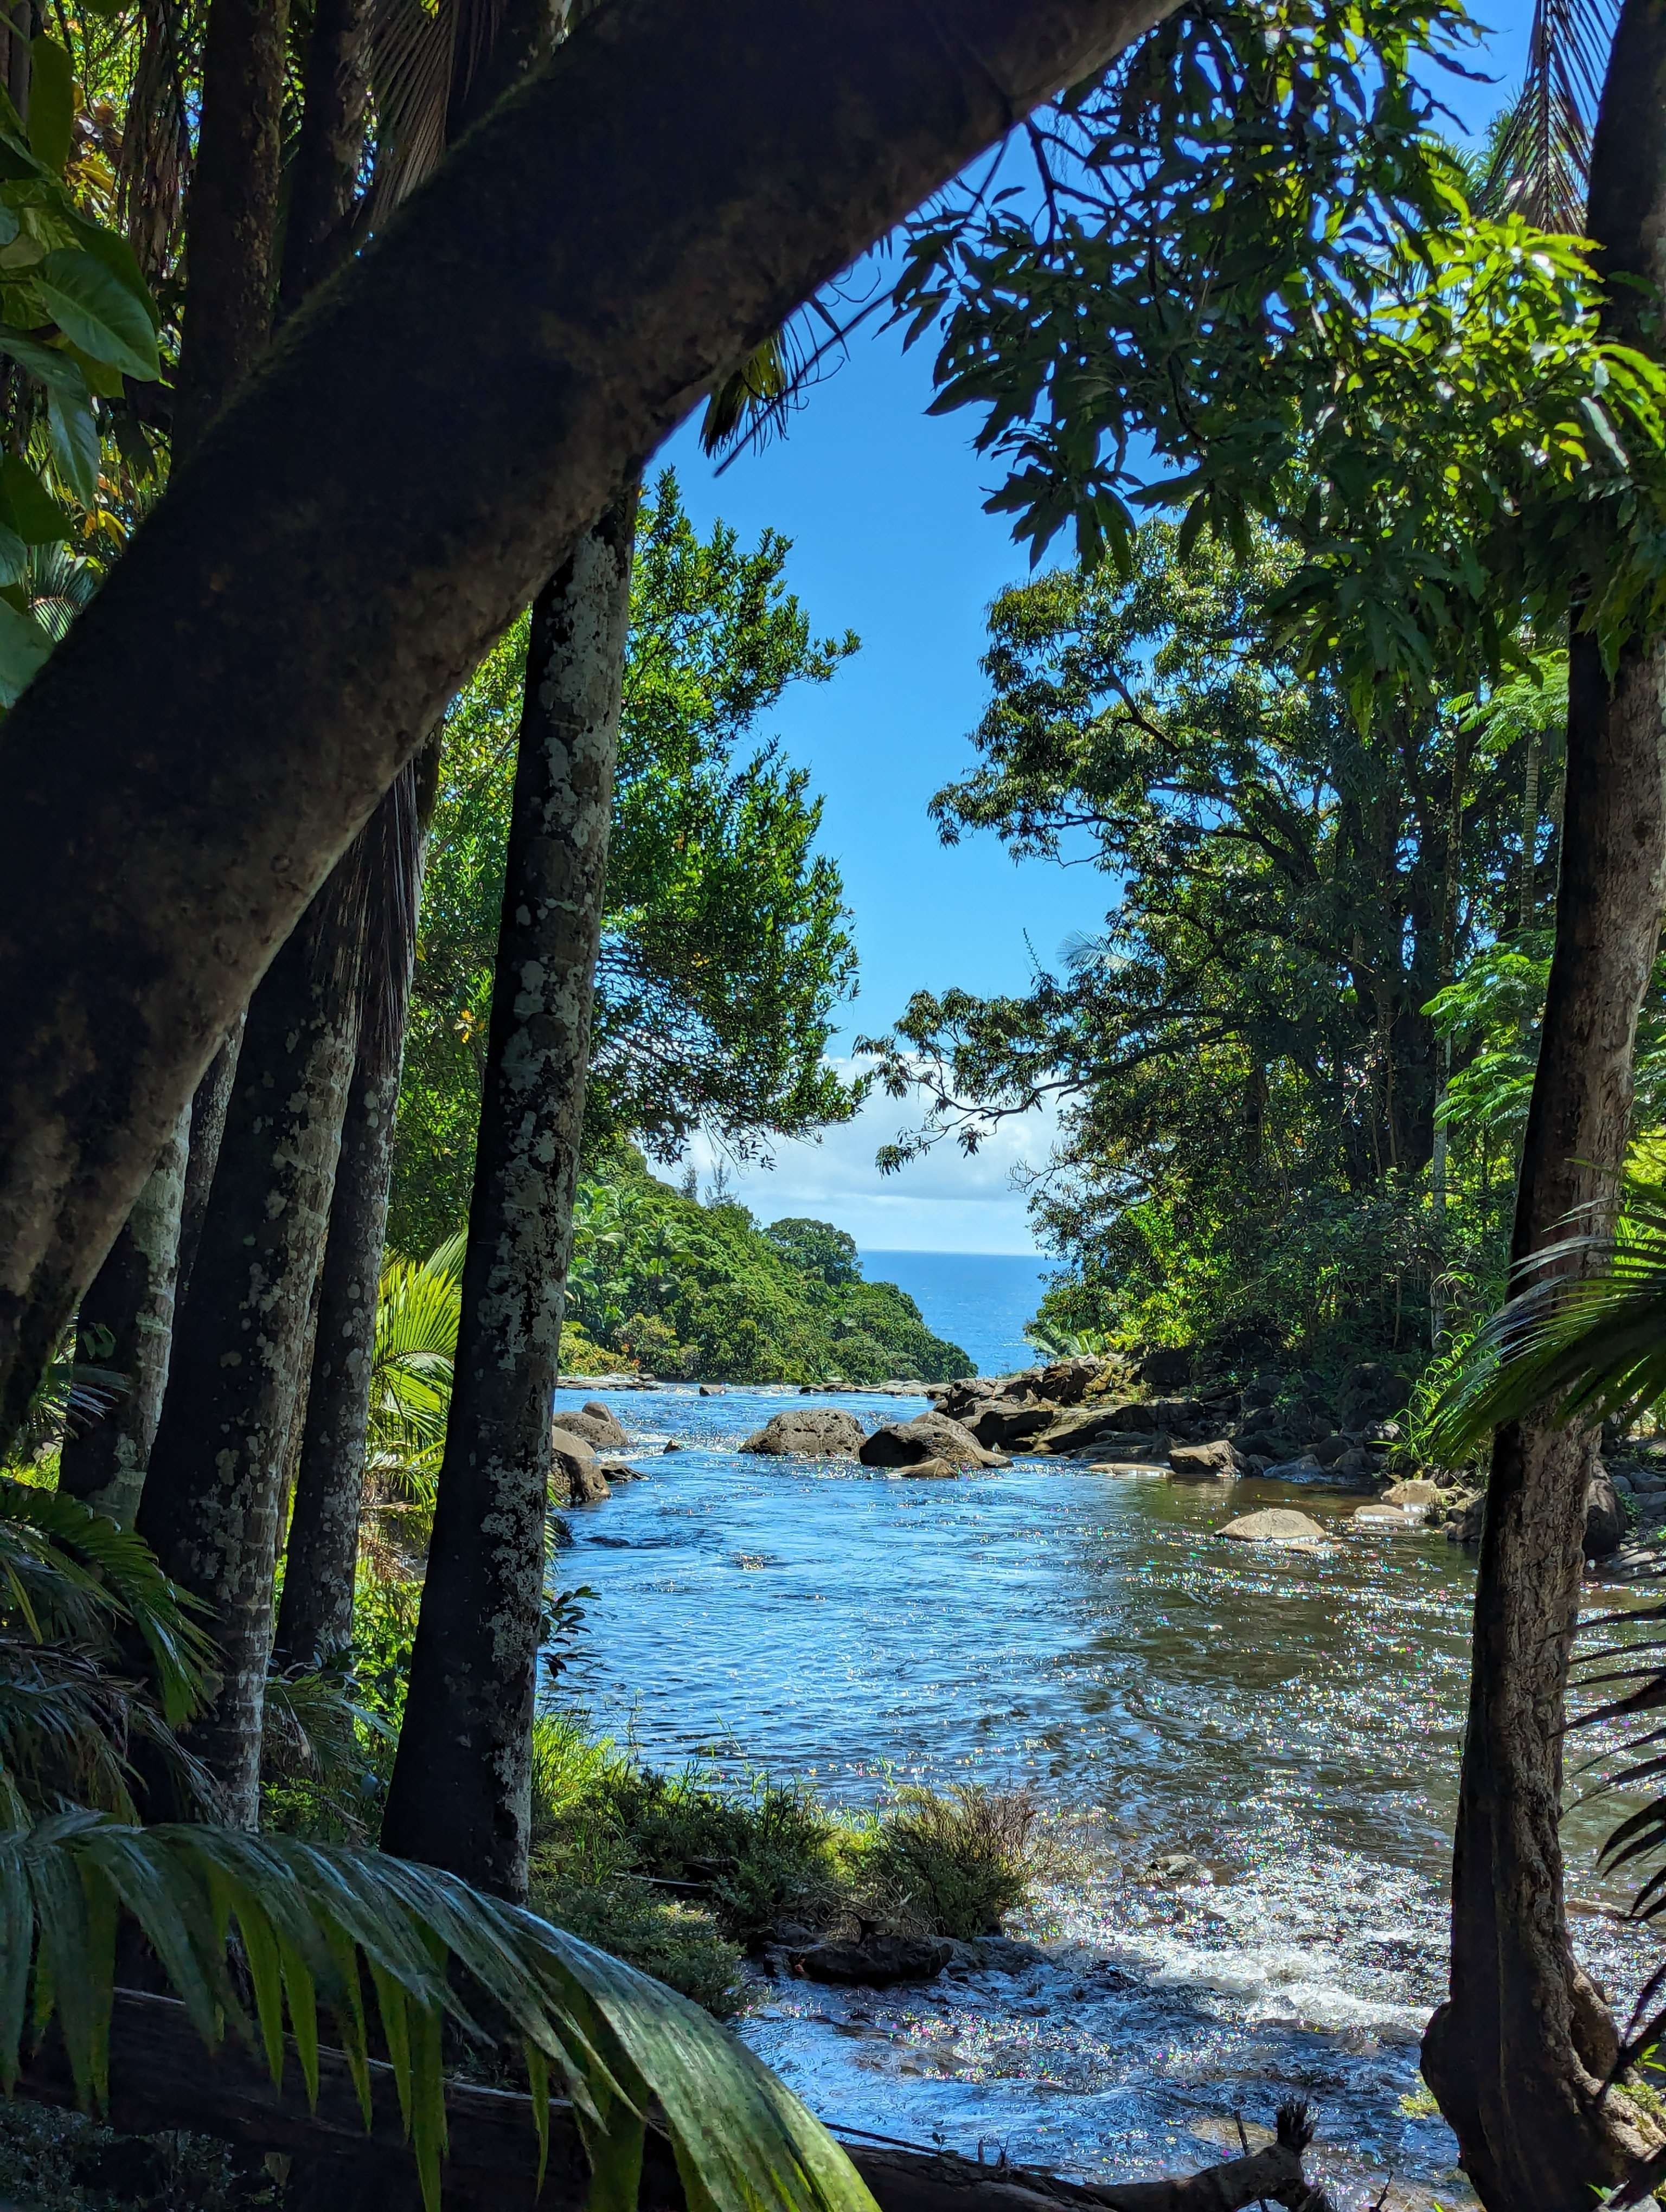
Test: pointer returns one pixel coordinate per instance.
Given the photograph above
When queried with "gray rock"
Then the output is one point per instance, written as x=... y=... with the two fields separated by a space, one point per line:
x=597 y=1424
x=1066 y=1381
x=810 y=1431
x=929 y=1436
x=1385 y=1517
x=575 y=1471
x=876 y=1961
x=1216 y=1463
x=1416 y=1492
x=1008 y=1423
x=1277 y=1524
x=1304 y=1469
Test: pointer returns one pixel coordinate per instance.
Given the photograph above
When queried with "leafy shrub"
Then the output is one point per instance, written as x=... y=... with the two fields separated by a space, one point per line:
x=957 y=1864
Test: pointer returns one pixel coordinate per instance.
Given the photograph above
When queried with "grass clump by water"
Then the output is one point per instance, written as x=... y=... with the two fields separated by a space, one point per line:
x=683 y=1874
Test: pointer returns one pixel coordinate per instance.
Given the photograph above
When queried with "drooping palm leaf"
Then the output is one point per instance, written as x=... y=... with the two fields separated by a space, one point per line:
x=1585 y=1346
x=314 y=1920
x=1540 y=162
x=71 y=1571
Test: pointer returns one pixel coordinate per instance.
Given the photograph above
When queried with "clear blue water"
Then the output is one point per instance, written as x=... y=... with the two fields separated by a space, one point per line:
x=1291 y=1723
x=978 y=1300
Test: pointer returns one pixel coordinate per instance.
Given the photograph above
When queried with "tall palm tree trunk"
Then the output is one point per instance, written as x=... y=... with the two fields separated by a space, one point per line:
x=460 y=1796
x=315 y=1619
x=211 y=1504
x=1516 y=2057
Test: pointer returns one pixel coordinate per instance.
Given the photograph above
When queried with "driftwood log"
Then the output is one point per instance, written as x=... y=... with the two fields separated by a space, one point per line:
x=160 y=2077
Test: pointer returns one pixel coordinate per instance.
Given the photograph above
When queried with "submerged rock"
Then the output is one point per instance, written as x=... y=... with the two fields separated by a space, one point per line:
x=876 y=1961
x=929 y=1436
x=1276 y=1524
x=1385 y=1517
x=812 y=1431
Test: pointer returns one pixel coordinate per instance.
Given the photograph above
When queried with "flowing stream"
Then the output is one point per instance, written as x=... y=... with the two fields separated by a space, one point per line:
x=1283 y=1728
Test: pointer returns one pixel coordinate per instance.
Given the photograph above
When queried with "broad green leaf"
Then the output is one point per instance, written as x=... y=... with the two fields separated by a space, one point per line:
x=117 y=255
x=73 y=430
x=51 y=103
x=49 y=365
x=29 y=509
x=94 y=309
x=24 y=647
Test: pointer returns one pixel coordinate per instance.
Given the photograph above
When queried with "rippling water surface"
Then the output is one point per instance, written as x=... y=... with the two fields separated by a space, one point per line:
x=1290 y=1724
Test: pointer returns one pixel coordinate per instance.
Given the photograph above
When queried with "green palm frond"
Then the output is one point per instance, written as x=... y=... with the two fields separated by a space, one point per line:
x=418 y=1311
x=68 y=1571
x=316 y=1921
x=1540 y=159
x=1573 y=1347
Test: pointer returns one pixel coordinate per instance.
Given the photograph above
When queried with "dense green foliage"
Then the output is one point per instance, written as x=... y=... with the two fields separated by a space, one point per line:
x=724 y=950
x=1325 y=947
x=684 y=1288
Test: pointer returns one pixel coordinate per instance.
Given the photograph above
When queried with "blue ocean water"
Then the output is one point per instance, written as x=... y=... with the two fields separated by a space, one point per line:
x=978 y=1300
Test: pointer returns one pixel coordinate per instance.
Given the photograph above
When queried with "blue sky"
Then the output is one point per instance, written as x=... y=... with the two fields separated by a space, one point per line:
x=884 y=507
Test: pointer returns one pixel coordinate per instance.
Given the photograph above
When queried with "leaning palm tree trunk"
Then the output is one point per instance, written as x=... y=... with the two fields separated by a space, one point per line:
x=460 y=1796
x=315 y=1619
x=1518 y=2054
x=228 y=320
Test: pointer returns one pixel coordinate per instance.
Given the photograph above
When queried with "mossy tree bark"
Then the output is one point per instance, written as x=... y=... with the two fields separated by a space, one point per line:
x=1518 y=2056
x=212 y=1500
x=305 y=587
x=315 y=1619
x=460 y=1796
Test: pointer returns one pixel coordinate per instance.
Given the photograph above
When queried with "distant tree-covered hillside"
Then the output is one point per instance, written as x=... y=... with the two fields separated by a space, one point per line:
x=692 y=1289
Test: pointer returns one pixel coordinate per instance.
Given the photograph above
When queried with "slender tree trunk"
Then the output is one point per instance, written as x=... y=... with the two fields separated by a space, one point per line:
x=1517 y=2056
x=233 y=225
x=126 y=1323
x=315 y=1619
x=209 y=1103
x=324 y=175
x=210 y=1505
x=460 y=1796
x=306 y=586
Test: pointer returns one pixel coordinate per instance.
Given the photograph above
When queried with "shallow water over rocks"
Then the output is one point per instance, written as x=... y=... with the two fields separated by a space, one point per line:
x=1254 y=1751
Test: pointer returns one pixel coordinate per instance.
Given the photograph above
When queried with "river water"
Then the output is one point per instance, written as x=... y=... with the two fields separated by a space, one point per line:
x=1289 y=1724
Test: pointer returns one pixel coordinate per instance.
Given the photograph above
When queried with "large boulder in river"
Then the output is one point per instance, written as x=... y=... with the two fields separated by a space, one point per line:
x=1216 y=1463
x=929 y=1436
x=809 y=1432
x=1008 y=1423
x=875 y=1962
x=1066 y=1381
x=575 y=1477
x=1278 y=1524
x=597 y=1424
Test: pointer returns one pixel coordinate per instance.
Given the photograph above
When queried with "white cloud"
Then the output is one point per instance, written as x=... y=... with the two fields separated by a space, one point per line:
x=945 y=1202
